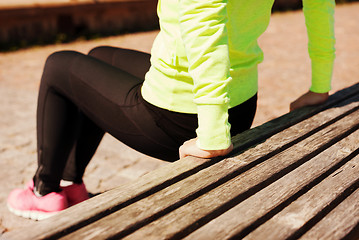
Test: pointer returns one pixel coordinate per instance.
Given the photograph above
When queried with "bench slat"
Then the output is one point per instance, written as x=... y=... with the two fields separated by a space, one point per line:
x=248 y=210
x=166 y=200
x=108 y=202
x=339 y=222
x=100 y=205
x=260 y=133
x=286 y=223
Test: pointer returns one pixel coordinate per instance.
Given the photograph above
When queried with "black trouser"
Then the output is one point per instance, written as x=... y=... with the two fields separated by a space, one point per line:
x=83 y=96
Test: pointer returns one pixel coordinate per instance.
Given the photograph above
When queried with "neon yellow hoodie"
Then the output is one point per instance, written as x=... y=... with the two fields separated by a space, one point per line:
x=204 y=59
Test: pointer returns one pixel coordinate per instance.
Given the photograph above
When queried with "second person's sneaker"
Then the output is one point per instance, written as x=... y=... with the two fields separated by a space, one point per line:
x=75 y=193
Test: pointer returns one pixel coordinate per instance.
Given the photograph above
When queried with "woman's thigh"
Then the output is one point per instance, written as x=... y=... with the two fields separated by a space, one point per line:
x=134 y=62
x=111 y=98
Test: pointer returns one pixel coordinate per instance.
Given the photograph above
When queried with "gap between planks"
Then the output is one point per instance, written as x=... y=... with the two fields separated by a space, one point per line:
x=342 y=221
x=111 y=201
x=250 y=209
x=153 y=207
x=302 y=214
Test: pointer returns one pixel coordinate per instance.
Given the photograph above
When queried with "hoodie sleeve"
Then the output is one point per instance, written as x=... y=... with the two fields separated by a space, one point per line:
x=204 y=33
x=319 y=18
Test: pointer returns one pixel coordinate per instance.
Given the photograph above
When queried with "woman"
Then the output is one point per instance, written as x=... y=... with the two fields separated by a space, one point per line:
x=198 y=90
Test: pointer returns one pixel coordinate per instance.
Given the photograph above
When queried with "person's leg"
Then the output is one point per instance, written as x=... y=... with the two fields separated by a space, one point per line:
x=81 y=93
x=89 y=135
x=108 y=96
x=87 y=139
x=56 y=124
x=133 y=62
x=75 y=87
x=127 y=88
x=59 y=123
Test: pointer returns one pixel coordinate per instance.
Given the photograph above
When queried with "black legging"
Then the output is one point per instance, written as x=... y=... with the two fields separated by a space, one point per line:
x=83 y=96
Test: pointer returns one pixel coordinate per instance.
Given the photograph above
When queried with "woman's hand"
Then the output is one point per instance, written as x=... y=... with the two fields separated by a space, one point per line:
x=308 y=99
x=189 y=148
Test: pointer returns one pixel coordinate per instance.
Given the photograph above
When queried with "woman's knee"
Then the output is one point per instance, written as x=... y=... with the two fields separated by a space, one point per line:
x=97 y=50
x=103 y=53
x=58 y=64
x=60 y=59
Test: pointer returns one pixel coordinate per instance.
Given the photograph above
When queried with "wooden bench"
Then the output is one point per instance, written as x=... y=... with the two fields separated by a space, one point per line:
x=294 y=177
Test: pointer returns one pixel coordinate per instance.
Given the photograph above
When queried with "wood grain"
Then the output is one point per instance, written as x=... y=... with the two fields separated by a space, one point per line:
x=107 y=202
x=146 y=210
x=247 y=209
x=275 y=134
x=260 y=133
x=297 y=214
x=339 y=222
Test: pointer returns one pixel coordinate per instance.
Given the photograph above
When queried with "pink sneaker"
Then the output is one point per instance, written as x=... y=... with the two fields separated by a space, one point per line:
x=75 y=193
x=24 y=203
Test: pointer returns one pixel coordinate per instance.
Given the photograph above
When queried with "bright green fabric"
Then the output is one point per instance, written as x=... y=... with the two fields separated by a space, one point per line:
x=204 y=59
x=319 y=18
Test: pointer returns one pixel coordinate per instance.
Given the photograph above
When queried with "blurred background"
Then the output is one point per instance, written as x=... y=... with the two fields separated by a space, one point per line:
x=36 y=22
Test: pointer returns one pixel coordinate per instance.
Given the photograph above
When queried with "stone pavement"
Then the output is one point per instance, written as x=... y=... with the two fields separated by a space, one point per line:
x=284 y=75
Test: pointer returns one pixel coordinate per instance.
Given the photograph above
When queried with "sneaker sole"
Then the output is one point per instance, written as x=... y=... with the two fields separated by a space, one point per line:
x=34 y=215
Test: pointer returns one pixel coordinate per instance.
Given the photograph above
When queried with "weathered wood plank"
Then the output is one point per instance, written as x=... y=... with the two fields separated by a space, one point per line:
x=339 y=99
x=300 y=130
x=304 y=126
x=291 y=219
x=339 y=222
x=248 y=210
x=115 y=199
x=146 y=210
x=107 y=202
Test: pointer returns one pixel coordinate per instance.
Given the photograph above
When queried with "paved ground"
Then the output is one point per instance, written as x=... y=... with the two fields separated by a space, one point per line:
x=284 y=75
